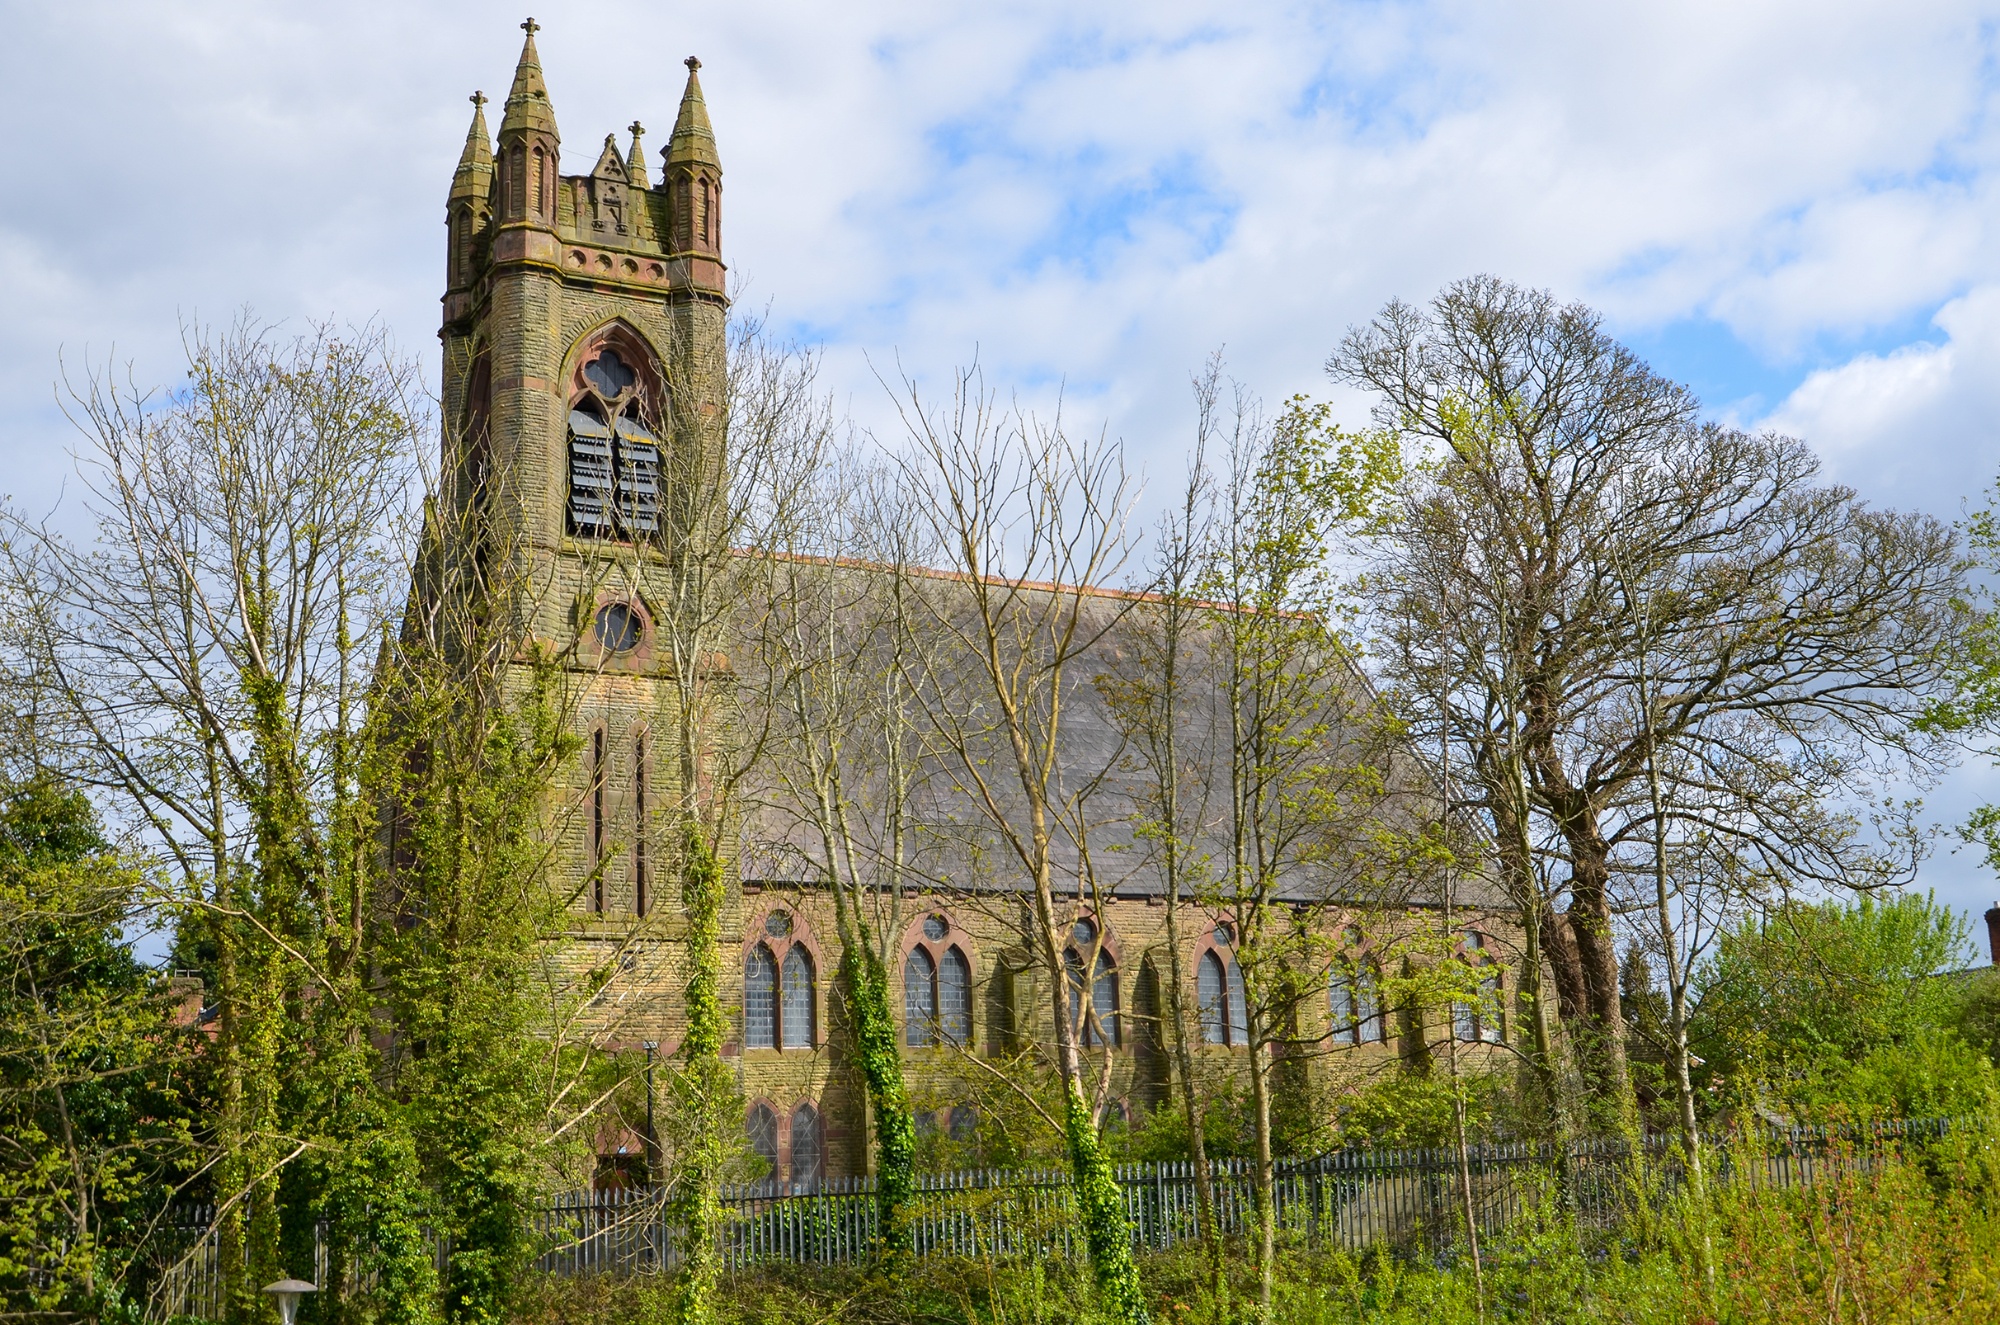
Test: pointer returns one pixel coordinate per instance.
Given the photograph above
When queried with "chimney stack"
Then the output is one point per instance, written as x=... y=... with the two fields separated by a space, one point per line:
x=1993 y=932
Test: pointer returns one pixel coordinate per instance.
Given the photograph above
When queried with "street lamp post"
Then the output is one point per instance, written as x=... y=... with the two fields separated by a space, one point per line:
x=652 y=1145
x=287 y=1292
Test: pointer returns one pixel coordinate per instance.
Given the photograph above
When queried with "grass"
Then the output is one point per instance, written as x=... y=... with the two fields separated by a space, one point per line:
x=1912 y=1242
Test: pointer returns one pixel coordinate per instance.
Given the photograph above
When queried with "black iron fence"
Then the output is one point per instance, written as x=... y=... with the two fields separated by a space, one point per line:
x=1416 y=1201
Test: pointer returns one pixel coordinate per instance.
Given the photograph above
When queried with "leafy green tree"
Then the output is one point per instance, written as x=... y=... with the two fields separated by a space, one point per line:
x=1843 y=1008
x=94 y=1107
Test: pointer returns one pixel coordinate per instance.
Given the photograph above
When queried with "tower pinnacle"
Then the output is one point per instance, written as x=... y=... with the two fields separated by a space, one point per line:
x=635 y=160
x=475 y=163
x=693 y=141
x=528 y=105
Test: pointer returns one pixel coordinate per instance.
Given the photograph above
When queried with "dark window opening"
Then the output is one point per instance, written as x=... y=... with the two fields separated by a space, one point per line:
x=618 y=627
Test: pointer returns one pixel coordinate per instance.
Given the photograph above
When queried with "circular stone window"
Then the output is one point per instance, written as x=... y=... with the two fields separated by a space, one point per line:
x=778 y=925
x=936 y=927
x=1085 y=933
x=1225 y=933
x=618 y=627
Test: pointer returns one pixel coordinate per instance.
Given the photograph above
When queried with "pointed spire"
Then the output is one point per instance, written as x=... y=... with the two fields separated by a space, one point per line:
x=474 y=176
x=528 y=107
x=693 y=142
x=635 y=160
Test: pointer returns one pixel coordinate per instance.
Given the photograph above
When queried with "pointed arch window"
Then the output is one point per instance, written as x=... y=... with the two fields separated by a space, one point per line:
x=614 y=453
x=1341 y=1008
x=1099 y=1030
x=808 y=1148
x=598 y=827
x=919 y=1000
x=780 y=986
x=1368 y=1027
x=1212 y=999
x=1479 y=1022
x=761 y=1128
x=1356 y=1010
x=955 y=997
x=760 y=1001
x=640 y=881
x=1220 y=998
x=795 y=1011
x=937 y=986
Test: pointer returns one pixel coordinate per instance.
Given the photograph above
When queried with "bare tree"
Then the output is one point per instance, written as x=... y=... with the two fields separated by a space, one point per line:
x=741 y=479
x=1027 y=521
x=1553 y=461
x=849 y=761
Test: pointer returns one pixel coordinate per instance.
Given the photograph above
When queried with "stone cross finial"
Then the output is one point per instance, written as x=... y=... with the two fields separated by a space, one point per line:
x=531 y=27
x=692 y=63
x=477 y=98
x=635 y=128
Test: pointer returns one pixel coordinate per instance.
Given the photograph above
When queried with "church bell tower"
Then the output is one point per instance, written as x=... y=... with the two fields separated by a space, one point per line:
x=583 y=400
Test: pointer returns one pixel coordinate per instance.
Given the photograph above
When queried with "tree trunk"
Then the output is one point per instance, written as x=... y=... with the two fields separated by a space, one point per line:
x=707 y=1082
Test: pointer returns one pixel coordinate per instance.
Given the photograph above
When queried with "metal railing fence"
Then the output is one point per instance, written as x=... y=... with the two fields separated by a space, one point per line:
x=1413 y=1200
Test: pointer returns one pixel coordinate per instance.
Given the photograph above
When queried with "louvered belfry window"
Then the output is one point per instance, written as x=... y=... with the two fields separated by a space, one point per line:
x=614 y=456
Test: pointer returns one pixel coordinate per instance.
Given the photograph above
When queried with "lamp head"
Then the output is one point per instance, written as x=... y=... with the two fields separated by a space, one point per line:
x=287 y=1292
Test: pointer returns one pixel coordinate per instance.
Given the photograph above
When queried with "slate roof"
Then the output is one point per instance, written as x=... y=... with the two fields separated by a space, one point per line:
x=952 y=840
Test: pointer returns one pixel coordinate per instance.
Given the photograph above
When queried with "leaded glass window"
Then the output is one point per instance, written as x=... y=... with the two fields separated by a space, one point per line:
x=808 y=1148
x=1341 y=994
x=1239 y=1006
x=796 y=1014
x=1211 y=999
x=955 y=998
x=919 y=999
x=1100 y=1029
x=761 y=1126
x=1367 y=1008
x=760 y=1002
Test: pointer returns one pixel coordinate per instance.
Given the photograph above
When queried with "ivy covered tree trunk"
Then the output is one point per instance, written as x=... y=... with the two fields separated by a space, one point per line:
x=1101 y=1208
x=704 y=1083
x=882 y=1072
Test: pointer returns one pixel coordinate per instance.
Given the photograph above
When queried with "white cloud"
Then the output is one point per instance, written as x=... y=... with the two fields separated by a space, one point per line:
x=1914 y=426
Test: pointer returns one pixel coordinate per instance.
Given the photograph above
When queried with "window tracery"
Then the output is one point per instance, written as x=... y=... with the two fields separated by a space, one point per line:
x=780 y=987
x=614 y=450
x=937 y=988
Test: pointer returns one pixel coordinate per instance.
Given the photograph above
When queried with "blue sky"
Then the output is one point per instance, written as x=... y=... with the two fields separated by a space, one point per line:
x=1790 y=206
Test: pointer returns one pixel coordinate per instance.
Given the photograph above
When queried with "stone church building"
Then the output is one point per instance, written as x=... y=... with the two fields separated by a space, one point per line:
x=584 y=334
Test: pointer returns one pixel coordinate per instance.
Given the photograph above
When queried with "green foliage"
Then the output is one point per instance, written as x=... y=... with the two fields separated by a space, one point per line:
x=1414 y=1109
x=881 y=1065
x=1979 y=1010
x=1839 y=1009
x=1908 y=1242
x=457 y=1135
x=1101 y=1210
x=705 y=1094
x=92 y=1115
